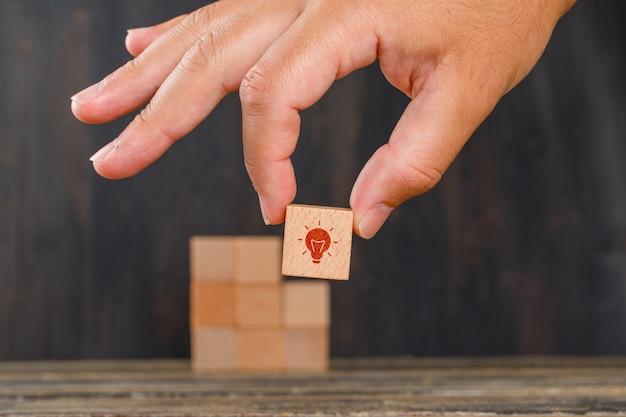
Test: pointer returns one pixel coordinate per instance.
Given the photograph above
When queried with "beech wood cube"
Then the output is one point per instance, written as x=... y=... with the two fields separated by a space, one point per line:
x=212 y=304
x=214 y=349
x=317 y=242
x=258 y=306
x=257 y=259
x=261 y=350
x=306 y=304
x=211 y=258
x=307 y=349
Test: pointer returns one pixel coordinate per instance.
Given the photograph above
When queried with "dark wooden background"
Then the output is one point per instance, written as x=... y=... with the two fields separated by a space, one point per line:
x=521 y=249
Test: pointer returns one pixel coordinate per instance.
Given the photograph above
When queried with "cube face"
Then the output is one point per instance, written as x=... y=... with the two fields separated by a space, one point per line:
x=211 y=258
x=261 y=350
x=214 y=349
x=212 y=304
x=317 y=242
x=258 y=306
x=307 y=350
x=306 y=304
x=257 y=260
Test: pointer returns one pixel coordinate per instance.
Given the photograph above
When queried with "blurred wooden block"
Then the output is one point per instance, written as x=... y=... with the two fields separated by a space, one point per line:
x=212 y=304
x=257 y=259
x=261 y=350
x=306 y=304
x=317 y=242
x=213 y=349
x=258 y=306
x=307 y=350
x=211 y=258
x=245 y=317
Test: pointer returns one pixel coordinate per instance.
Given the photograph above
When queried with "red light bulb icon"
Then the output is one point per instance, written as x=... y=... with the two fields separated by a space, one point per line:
x=317 y=241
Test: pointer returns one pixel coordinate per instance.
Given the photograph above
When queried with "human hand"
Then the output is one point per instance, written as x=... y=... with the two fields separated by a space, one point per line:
x=455 y=59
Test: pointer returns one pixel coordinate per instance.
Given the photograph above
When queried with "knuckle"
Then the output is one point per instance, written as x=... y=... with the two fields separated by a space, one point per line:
x=255 y=87
x=203 y=55
x=146 y=117
x=129 y=68
x=417 y=177
x=195 y=22
x=200 y=26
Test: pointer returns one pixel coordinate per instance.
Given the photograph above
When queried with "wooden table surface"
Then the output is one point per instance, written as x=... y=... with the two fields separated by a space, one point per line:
x=396 y=387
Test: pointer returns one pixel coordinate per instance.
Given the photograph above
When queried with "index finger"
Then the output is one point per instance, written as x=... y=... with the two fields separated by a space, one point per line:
x=291 y=76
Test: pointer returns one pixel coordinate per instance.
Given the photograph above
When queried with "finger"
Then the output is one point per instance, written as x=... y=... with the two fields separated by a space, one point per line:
x=212 y=68
x=291 y=76
x=428 y=136
x=138 y=39
x=132 y=85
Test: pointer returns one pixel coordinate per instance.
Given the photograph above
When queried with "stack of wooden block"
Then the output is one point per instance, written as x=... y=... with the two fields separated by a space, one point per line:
x=246 y=317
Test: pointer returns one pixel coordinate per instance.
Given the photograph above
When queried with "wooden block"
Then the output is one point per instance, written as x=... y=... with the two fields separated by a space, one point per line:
x=318 y=242
x=306 y=304
x=212 y=304
x=257 y=259
x=261 y=350
x=258 y=306
x=307 y=350
x=213 y=349
x=211 y=258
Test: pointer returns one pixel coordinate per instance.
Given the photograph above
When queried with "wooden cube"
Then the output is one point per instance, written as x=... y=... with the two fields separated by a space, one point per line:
x=306 y=304
x=307 y=350
x=261 y=350
x=317 y=242
x=211 y=258
x=212 y=304
x=258 y=306
x=257 y=259
x=213 y=349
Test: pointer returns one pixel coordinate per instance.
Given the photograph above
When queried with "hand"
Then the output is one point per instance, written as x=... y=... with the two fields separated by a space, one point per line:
x=455 y=59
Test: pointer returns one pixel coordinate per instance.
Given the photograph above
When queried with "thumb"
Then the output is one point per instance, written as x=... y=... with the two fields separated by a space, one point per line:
x=429 y=135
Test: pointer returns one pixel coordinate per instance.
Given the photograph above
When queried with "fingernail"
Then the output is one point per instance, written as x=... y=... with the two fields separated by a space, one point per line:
x=266 y=218
x=102 y=154
x=136 y=30
x=373 y=220
x=86 y=94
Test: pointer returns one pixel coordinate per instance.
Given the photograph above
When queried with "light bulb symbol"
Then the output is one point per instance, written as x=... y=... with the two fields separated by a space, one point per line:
x=317 y=242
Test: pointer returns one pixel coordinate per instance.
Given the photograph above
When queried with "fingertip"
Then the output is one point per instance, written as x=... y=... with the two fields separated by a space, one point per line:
x=113 y=170
x=103 y=153
x=107 y=165
x=83 y=97
x=368 y=224
x=75 y=106
x=274 y=205
x=81 y=111
x=138 y=39
x=267 y=218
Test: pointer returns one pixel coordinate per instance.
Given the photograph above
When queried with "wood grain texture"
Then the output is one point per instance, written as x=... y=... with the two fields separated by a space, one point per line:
x=211 y=258
x=307 y=350
x=259 y=306
x=520 y=248
x=257 y=259
x=306 y=305
x=261 y=349
x=407 y=387
x=317 y=242
x=213 y=349
x=213 y=304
